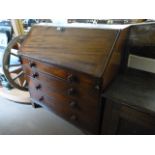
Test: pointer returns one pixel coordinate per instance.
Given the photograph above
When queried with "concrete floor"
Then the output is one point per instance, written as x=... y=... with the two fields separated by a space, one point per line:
x=20 y=119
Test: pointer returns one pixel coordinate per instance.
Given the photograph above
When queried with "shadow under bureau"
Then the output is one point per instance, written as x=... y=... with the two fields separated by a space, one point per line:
x=68 y=67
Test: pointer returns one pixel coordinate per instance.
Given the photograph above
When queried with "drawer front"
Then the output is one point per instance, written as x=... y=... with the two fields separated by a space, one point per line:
x=80 y=118
x=60 y=86
x=69 y=76
x=75 y=98
x=82 y=104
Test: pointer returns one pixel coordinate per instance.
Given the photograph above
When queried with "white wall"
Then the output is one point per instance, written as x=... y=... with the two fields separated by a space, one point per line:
x=141 y=63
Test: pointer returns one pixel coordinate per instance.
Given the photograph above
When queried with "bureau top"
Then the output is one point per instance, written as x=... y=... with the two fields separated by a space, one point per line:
x=82 y=47
x=86 y=25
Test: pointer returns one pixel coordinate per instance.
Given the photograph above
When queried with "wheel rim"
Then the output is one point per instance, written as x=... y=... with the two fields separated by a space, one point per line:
x=13 y=71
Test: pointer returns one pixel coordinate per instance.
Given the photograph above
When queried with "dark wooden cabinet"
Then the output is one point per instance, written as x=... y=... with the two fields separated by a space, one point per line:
x=67 y=68
x=130 y=105
x=124 y=120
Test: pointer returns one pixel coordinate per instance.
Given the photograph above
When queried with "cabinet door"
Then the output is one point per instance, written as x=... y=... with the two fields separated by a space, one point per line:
x=123 y=120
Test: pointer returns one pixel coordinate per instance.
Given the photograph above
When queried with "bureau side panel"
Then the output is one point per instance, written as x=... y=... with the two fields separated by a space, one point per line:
x=113 y=65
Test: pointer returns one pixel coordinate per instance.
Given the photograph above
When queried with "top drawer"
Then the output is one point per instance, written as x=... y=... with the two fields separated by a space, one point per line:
x=69 y=76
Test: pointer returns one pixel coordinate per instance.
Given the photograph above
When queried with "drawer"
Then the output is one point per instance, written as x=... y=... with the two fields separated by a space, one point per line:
x=80 y=118
x=65 y=74
x=83 y=104
x=60 y=86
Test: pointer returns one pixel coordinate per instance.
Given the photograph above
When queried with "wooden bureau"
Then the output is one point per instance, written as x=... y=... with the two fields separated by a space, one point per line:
x=68 y=67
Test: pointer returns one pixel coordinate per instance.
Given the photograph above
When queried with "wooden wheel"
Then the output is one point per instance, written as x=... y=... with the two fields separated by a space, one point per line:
x=12 y=67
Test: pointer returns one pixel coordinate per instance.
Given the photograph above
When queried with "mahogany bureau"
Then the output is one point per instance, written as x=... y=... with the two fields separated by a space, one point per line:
x=68 y=67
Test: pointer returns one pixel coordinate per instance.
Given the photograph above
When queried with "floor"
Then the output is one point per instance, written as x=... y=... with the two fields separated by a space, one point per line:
x=20 y=119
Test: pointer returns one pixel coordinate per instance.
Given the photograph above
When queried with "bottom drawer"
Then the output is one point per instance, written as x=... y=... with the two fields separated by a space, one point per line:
x=81 y=120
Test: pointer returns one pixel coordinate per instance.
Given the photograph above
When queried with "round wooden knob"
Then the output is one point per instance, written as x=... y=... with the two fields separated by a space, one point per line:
x=72 y=78
x=32 y=64
x=73 y=104
x=71 y=91
x=73 y=117
x=34 y=75
x=41 y=98
x=38 y=86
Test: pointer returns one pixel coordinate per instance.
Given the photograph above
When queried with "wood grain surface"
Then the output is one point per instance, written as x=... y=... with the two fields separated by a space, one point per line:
x=84 y=50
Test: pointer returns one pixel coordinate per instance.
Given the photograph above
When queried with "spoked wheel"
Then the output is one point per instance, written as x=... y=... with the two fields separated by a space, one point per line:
x=12 y=67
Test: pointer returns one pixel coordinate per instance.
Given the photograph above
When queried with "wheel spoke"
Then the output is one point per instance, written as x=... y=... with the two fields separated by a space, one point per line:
x=18 y=75
x=15 y=69
x=14 y=51
x=14 y=65
x=24 y=83
x=16 y=55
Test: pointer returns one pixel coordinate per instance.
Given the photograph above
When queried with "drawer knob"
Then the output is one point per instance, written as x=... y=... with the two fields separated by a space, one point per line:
x=32 y=64
x=38 y=86
x=41 y=98
x=71 y=91
x=72 y=78
x=73 y=117
x=34 y=75
x=73 y=104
